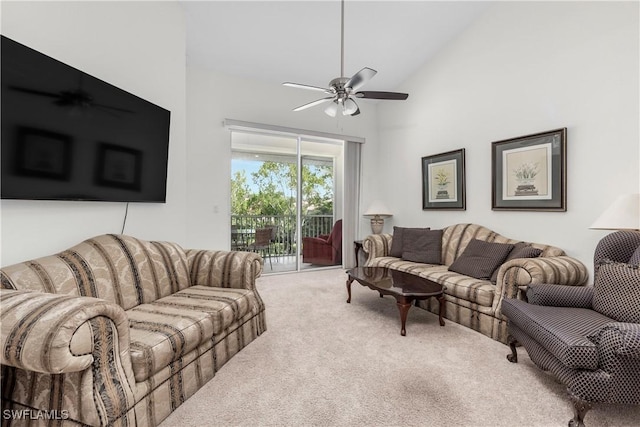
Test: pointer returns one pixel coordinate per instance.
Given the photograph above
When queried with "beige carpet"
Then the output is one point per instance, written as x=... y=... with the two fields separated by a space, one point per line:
x=323 y=362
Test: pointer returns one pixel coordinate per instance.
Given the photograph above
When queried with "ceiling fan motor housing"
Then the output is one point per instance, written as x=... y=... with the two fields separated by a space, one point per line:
x=338 y=85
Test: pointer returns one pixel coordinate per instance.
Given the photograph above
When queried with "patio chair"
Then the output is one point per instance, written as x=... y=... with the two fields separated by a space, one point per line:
x=262 y=243
x=324 y=249
x=588 y=337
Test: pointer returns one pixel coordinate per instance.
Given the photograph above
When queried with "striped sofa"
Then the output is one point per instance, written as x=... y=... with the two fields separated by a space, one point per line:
x=120 y=331
x=472 y=302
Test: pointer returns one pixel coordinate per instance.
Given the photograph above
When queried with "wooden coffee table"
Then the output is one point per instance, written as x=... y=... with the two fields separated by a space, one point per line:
x=404 y=287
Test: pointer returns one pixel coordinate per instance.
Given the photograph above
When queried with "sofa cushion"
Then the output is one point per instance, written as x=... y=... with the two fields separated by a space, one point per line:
x=481 y=258
x=563 y=331
x=397 y=242
x=423 y=246
x=617 y=292
x=467 y=288
x=168 y=328
x=470 y=289
x=520 y=250
x=120 y=269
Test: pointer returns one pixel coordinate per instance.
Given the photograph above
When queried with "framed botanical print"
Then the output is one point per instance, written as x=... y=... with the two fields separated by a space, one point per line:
x=443 y=181
x=529 y=172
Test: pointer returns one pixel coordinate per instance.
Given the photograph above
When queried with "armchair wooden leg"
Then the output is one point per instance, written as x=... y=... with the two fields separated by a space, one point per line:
x=513 y=357
x=580 y=408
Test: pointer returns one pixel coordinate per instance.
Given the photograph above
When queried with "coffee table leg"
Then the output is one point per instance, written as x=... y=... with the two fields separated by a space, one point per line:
x=443 y=309
x=403 y=305
x=349 y=281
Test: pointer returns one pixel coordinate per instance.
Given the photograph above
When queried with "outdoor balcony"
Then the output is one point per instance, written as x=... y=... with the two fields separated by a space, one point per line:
x=281 y=249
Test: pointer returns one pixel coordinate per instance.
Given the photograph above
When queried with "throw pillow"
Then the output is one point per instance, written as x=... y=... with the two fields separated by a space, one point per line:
x=423 y=246
x=480 y=258
x=520 y=250
x=616 y=292
x=397 y=242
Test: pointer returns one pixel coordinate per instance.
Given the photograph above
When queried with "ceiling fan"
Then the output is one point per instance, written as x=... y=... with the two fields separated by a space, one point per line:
x=343 y=90
x=73 y=98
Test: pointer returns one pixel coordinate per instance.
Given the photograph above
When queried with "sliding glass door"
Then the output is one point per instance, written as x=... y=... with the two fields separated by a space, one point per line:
x=292 y=187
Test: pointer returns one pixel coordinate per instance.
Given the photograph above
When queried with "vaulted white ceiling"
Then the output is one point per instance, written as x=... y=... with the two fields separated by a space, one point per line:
x=299 y=41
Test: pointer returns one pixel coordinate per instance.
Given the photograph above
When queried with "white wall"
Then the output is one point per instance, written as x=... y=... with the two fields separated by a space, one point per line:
x=137 y=46
x=519 y=69
x=522 y=68
x=213 y=97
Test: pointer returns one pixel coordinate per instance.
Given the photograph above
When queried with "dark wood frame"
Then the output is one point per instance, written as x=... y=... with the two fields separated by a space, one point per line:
x=106 y=170
x=457 y=156
x=526 y=197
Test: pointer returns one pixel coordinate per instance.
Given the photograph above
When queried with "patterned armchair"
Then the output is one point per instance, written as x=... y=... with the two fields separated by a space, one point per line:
x=589 y=337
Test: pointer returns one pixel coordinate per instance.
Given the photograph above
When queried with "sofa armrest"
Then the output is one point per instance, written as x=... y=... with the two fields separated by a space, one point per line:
x=618 y=339
x=225 y=269
x=560 y=295
x=82 y=341
x=315 y=240
x=376 y=245
x=53 y=333
x=518 y=274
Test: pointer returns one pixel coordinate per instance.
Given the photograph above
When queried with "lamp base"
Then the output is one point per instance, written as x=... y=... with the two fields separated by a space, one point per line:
x=377 y=224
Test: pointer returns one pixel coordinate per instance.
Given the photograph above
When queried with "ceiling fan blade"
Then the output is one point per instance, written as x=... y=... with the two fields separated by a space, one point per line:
x=35 y=92
x=301 y=86
x=313 y=103
x=382 y=95
x=360 y=78
x=109 y=107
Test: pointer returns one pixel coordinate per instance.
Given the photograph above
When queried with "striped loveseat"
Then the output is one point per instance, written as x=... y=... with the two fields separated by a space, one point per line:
x=472 y=302
x=121 y=331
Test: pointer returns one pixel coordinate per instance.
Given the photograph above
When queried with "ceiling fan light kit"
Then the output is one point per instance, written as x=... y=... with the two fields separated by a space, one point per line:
x=342 y=90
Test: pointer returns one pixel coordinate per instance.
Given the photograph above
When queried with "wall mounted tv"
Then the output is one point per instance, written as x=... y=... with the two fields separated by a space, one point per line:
x=69 y=136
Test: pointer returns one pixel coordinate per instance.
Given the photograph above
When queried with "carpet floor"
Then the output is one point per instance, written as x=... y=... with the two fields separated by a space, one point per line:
x=323 y=362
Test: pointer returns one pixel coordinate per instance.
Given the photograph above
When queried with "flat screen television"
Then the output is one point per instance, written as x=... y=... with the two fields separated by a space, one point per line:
x=69 y=136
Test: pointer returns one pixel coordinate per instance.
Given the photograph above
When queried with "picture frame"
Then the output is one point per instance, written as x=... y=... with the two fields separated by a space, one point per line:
x=44 y=154
x=529 y=172
x=119 y=167
x=443 y=181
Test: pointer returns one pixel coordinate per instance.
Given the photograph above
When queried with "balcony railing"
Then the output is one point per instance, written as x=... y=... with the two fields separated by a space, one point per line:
x=283 y=237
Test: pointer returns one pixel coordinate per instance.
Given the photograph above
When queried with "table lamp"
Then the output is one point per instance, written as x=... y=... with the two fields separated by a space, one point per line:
x=378 y=212
x=623 y=214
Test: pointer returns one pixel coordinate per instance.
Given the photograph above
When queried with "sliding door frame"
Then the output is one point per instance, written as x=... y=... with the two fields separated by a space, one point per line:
x=350 y=206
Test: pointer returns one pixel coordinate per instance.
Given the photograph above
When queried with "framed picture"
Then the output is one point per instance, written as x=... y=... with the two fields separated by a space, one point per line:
x=44 y=154
x=529 y=172
x=119 y=167
x=443 y=185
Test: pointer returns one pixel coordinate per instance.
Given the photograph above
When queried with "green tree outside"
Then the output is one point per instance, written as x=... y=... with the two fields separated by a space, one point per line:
x=274 y=190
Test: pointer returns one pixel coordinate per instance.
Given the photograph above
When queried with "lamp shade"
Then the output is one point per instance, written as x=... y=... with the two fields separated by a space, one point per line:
x=623 y=214
x=349 y=107
x=377 y=208
x=332 y=109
